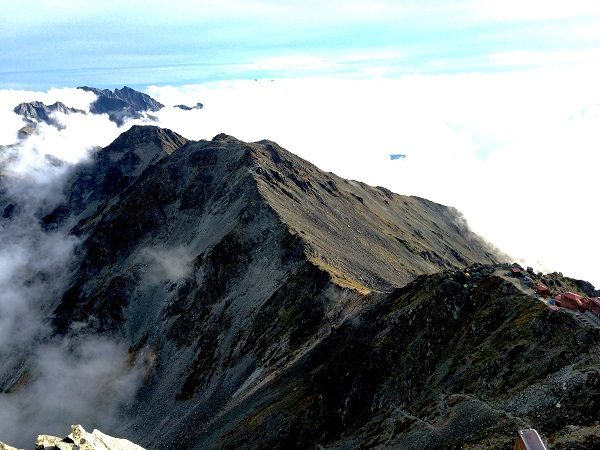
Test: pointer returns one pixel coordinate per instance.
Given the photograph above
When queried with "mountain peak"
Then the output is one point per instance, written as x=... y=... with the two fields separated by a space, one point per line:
x=37 y=112
x=168 y=141
x=222 y=137
x=362 y=236
x=270 y=304
x=121 y=104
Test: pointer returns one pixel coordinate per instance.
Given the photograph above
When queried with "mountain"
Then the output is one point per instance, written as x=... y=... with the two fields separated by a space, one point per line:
x=37 y=112
x=274 y=305
x=189 y=108
x=122 y=104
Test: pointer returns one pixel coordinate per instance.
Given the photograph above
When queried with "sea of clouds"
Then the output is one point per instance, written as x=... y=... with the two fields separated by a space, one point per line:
x=517 y=153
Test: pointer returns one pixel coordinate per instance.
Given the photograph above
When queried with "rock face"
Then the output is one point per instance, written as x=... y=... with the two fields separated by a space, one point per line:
x=3 y=446
x=122 y=104
x=37 y=112
x=285 y=307
x=79 y=439
x=189 y=108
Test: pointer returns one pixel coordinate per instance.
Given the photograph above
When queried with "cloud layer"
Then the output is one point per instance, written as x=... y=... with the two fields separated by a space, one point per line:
x=517 y=152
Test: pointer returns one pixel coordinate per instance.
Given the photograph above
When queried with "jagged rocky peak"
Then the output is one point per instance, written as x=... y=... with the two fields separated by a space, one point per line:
x=113 y=169
x=79 y=439
x=122 y=104
x=139 y=136
x=37 y=112
x=189 y=108
x=136 y=99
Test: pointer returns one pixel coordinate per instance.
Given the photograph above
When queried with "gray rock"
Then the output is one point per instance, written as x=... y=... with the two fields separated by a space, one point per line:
x=122 y=104
x=37 y=112
x=189 y=108
x=80 y=439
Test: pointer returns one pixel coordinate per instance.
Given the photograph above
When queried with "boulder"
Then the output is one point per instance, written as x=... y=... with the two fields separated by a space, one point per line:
x=3 y=446
x=46 y=442
x=97 y=440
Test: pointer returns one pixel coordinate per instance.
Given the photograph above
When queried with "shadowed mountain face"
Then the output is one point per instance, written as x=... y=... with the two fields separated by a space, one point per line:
x=38 y=112
x=272 y=301
x=122 y=104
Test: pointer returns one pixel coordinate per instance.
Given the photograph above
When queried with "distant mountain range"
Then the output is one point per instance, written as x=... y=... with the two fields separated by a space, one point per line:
x=36 y=112
x=120 y=105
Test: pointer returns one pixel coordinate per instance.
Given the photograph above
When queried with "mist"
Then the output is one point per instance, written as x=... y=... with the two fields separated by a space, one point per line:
x=515 y=152
x=49 y=382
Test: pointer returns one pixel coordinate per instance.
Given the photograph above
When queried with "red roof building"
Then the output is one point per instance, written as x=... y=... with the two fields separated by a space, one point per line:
x=542 y=290
x=572 y=301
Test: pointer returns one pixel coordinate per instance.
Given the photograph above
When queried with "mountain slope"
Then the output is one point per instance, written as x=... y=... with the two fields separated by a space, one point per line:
x=268 y=302
x=445 y=362
x=370 y=235
x=227 y=261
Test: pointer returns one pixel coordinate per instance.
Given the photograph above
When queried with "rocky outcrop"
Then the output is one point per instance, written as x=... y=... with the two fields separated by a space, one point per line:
x=122 y=104
x=189 y=108
x=4 y=446
x=37 y=112
x=79 y=439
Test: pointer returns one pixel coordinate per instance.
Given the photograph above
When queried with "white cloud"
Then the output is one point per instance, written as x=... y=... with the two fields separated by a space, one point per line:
x=536 y=10
x=515 y=152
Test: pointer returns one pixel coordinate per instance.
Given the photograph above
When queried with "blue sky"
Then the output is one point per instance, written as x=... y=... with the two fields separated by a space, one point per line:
x=108 y=43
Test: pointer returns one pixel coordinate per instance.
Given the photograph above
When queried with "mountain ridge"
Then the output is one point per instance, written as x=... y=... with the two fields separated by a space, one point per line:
x=121 y=104
x=280 y=176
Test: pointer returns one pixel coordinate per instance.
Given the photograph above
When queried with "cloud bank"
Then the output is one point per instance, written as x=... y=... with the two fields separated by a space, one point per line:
x=517 y=152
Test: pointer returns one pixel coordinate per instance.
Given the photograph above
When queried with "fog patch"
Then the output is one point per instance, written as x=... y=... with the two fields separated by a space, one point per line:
x=49 y=382
x=82 y=381
x=165 y=264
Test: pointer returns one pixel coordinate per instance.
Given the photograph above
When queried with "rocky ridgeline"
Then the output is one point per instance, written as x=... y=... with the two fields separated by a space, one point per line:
x=122 y=104
x=79 y=439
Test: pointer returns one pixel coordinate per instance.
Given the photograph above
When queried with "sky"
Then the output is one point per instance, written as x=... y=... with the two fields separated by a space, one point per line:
x=68 y=42
x=496 y=105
